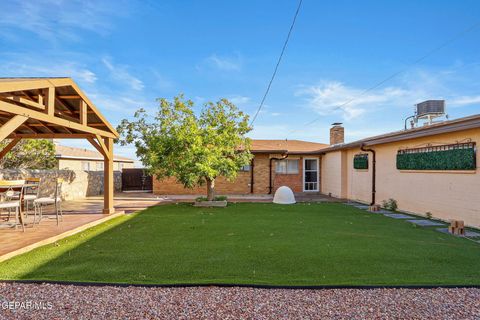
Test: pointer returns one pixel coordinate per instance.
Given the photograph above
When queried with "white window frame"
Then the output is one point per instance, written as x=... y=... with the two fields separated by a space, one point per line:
x=286 y=166
x=318 y=175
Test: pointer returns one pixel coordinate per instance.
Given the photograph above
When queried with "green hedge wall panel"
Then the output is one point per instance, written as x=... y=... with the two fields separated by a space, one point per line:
x=455 y=159
x=360 y=161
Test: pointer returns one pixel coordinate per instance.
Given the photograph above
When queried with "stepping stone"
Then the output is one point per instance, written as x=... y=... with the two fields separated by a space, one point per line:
x=362 y=207
x=444 y=230
x=397 y=216
x=426 y=223
x=468 y=233
x=382 y=211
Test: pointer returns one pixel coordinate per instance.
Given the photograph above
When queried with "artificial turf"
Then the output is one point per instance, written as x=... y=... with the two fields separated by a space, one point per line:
x=254 y=243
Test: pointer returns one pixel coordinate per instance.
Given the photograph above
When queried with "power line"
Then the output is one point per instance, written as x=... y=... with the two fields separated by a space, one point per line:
x=278 y=63
x=395 y=74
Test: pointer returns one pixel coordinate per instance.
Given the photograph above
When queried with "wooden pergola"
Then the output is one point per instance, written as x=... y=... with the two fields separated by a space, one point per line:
x=55 y=108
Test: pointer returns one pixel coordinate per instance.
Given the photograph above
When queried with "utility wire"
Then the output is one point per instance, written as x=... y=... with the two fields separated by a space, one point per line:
x=393 y=75
x=278 y=63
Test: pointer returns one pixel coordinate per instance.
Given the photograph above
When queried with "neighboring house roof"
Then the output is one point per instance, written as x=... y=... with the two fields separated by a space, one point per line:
x=283 y=146
x=465 y=123
x=64 y=152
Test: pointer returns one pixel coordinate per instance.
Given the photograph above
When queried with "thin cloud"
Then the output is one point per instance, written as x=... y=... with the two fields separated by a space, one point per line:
x=335 y=97
x=225 y=63
x=465 y=100
x=121 y=74
x=55 y=20
x=58 y=69
x=239 y=100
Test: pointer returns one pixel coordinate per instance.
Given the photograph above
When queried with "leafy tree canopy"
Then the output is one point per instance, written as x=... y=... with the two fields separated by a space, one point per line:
x=195 y=149
x=30 y=154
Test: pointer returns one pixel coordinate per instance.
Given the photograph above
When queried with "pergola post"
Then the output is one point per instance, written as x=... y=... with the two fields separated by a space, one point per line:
x=108 y=184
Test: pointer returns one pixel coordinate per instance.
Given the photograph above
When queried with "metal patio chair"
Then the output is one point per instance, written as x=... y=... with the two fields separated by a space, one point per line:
x=10 y=190
x=55 y=200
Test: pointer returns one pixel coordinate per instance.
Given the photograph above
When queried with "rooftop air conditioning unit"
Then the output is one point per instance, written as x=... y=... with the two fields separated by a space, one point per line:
x=430 y=108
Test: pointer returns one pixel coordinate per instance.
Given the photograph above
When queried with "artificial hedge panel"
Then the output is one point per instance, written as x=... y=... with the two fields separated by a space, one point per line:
x=360 y=161
x=453 y=159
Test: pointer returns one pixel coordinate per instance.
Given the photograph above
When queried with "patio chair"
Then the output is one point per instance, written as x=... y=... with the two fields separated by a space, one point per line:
x=56 y=200
x=30 y=193
x=11 y=188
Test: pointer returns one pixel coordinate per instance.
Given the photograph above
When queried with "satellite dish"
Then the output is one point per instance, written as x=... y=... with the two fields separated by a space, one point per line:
x=284 y=195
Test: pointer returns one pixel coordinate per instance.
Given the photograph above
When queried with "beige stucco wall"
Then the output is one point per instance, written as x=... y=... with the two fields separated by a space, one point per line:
x=76 y=164
x=333 y=174
x=359 y=181
x=447 y=195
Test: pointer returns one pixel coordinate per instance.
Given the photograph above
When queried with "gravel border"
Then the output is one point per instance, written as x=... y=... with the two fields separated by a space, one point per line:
x=113 y=302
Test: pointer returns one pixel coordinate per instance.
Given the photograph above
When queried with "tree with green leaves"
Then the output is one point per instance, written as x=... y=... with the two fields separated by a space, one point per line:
x=30 y=154
x=193 y=148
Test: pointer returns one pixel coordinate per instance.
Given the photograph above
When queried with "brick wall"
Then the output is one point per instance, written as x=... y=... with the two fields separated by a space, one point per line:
x=241 y=185
x=294 y=181
x=222 y=186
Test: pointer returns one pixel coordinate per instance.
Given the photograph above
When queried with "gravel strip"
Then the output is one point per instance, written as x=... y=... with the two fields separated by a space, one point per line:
x=109 y=302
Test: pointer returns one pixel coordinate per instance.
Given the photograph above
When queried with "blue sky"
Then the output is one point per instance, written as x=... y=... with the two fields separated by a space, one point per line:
x=124 y=54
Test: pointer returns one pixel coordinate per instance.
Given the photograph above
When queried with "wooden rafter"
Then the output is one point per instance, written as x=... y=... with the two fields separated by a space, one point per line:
x=10 y=126
x=32 y=129
x=50 y=101
x=40 y=124
x=65 y=106
x=97 y=146
x=36 y=99
x=9 y=147
x=69 y=97
x=51 y=136
x=24 y=101
x=83 y=113
x=103 y=145
x=43 y=85
x=17 y=110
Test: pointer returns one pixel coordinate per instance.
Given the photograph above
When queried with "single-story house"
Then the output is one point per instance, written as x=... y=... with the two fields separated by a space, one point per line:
x=71 y=158
x=275 y=163
x=427 y=169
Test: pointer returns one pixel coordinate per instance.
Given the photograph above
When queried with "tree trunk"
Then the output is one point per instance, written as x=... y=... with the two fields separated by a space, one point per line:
x=210 y=189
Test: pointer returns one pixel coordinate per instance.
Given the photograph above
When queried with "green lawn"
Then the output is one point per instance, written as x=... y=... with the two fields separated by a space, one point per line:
x=262 y=243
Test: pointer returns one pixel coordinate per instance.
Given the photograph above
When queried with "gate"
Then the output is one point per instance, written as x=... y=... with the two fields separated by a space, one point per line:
x=136 y=179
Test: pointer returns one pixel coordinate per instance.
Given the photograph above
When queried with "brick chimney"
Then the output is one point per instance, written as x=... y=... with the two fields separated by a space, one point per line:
x=337 y=133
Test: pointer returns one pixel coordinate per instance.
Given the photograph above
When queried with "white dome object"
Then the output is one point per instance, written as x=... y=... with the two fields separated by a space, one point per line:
x=284 y=195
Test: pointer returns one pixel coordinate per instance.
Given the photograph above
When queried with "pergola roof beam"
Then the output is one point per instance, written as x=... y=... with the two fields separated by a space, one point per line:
x=17 y=110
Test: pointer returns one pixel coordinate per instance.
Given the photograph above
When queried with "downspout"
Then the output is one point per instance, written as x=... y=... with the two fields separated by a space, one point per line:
x=374 y=165
x=270 y=187
x=252 y=165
